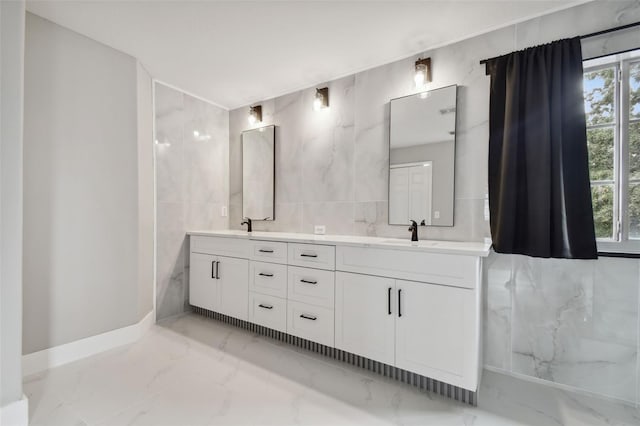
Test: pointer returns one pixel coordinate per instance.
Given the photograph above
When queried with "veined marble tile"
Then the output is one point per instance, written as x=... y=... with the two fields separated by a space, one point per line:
x=192 y=158
x=206 y=140
x=236 y=125
x=498 y=282
x=169 y=118
x=204 y=216
x=288 y=219
x=374 y=89
x=615 y=300
x=288 y=116
x=370 y=217
x=587 y=18
x=553 y=330
x=196 y=371
x=337 y=217
x=472 y=153
x=170 y=176
x=532 y=403
x=327 y=154
x=170 y=291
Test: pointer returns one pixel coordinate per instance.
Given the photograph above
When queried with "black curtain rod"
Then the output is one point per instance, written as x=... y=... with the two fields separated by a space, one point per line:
x=597 y=33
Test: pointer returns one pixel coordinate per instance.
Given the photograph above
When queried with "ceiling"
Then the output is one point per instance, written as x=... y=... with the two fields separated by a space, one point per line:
x=237 y=52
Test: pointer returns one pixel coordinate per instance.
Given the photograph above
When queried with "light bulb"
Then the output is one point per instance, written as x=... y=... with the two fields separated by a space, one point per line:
x=255 y=114
x=420 y=77
x=321 y=100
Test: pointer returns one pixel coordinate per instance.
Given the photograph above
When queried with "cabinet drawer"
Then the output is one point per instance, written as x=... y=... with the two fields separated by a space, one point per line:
x=436 y=268
x=310 y=322
x=312 y=286
x=232 y=247
x=269 y=251
x=268 y=311
x=268 y=278
x=312 y=256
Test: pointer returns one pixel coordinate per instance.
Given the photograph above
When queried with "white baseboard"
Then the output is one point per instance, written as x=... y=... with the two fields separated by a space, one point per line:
x=15 y=413
x=69 y=352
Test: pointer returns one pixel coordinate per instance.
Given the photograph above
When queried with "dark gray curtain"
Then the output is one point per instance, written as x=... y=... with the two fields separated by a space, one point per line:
x=539 y=191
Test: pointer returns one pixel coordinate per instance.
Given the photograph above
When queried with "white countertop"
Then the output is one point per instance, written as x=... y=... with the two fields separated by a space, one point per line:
x=431 y=246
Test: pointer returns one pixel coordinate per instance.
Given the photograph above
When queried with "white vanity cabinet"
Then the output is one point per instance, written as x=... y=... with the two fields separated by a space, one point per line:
x=365 y=316
x=413 y=307
x=429 y=328
x=203 y=285
x=310 y=294
x=219 y=283
x=435 y=330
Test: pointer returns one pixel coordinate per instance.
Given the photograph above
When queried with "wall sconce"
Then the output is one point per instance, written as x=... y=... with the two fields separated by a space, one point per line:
x=255 y=114
x=423 y=72
x=321 y=100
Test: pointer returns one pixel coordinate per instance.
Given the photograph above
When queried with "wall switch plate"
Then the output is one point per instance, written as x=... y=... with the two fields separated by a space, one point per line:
x=436 y=214
x=223 y=211
x=319 y=229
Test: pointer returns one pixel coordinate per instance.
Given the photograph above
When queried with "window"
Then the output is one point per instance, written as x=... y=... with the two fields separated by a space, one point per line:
x=612 y=106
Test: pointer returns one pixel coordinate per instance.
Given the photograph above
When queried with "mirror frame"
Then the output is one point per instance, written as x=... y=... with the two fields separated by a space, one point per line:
x=273 y=129
x=455 y=140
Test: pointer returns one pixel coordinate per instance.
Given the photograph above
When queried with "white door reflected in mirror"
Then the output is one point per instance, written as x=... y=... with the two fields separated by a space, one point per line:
x=411 y=186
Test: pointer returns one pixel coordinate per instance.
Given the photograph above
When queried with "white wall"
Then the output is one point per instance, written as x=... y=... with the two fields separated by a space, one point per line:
x=87 y=185
x=11 y=104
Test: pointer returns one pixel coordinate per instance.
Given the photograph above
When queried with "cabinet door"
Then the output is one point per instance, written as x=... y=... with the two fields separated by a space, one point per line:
x=203 y=286
x=234 y=287
x=365 y=316
x=435 y=332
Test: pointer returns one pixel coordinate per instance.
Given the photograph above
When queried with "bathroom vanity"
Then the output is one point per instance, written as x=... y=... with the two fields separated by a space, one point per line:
x=412 y=306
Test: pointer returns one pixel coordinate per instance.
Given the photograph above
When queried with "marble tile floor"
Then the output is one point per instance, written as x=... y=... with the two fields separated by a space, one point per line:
x=191 y=370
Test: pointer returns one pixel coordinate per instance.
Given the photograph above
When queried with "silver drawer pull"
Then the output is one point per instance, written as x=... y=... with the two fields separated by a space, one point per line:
x=309 y=282
x=265 y=251
x=309 y=317
x=308 y=255
x=262 y=274
x=265 y=306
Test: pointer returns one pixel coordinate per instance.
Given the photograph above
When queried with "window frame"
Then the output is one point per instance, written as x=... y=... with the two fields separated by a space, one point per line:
x=620 y=241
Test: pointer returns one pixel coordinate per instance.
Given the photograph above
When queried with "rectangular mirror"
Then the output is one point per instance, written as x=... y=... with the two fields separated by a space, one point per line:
x=422 y=138
x=258 y=173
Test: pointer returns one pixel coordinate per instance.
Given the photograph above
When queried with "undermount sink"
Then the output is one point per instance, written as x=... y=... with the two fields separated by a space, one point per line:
x=410 y=243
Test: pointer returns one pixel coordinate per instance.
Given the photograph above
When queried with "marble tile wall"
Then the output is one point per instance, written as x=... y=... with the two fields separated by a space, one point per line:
x=332 y=165
x=573 y=323
x=191 y=153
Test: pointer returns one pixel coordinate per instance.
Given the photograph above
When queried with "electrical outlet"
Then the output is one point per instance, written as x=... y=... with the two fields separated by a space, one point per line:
x=319 y=229
x=223 y=211
x=436 y=214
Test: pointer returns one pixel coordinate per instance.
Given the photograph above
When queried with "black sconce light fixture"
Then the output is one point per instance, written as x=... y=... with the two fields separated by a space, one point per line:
x=321 y=100
x=255 y=114
x=423 y=72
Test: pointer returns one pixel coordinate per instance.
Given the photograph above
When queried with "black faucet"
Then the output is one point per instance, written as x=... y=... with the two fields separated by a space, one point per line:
x=414 y=230
x=247 y=222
